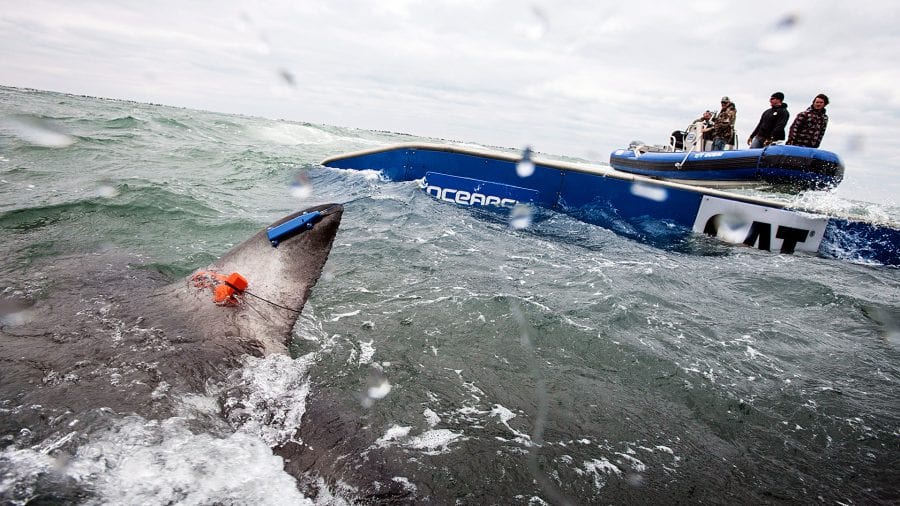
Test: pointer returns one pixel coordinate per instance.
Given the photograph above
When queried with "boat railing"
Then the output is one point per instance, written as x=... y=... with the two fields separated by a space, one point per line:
x=691 y=140
x=640 y=148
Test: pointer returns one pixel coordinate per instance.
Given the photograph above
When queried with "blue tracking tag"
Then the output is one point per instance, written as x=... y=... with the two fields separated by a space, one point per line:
x=292 y=227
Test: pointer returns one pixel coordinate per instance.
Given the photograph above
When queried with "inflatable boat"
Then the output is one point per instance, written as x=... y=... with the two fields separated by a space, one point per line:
x=646 y=209
x=787 y=168
x=688 y=158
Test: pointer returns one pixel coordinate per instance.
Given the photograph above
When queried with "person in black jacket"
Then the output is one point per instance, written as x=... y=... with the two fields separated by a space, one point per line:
x=771 y=124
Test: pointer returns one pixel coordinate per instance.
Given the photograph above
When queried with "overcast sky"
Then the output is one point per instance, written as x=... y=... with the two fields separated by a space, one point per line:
x=577 y=78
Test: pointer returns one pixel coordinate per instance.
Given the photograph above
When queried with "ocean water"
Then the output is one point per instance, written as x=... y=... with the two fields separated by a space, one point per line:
x=445 y=356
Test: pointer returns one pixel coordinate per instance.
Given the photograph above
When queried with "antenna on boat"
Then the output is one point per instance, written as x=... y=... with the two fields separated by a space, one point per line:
x=693 y=145
x=678 y=165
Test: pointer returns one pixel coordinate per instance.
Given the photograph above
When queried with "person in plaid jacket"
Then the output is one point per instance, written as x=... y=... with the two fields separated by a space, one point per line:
x=809 y=126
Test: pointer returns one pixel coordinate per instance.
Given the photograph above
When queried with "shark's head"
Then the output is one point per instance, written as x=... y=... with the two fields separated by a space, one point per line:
x=256 y=290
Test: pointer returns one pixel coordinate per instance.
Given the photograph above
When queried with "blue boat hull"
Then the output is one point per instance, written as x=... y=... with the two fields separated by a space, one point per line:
x=792 y=168
x=605 y=197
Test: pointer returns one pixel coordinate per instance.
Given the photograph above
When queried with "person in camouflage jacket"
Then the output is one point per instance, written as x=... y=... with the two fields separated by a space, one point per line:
x=723 y=125
x=809 y=126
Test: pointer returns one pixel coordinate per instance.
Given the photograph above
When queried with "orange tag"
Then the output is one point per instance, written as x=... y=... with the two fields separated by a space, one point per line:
x=225 y=289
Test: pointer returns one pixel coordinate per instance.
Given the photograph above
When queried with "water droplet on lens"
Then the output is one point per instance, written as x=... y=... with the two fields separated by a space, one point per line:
x=537 y=27
x=732 y=228
x=525 y=167
x=37 y=131
x=520 y=217
x=301 y=188
x=287 y=77
x=14 y=312
x=787 y=22
x=327 y=273
x=782 y=36
x=650 y=192
x=635 y=479
x=380 y=390
x=107 y=191
x=855 y=143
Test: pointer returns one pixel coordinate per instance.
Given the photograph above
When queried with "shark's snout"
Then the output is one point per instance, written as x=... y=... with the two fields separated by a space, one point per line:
x=301 y=222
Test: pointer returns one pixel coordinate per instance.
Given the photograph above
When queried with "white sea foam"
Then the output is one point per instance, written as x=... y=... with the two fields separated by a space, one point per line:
x=25 y=466
x=432 y=442
x=367 y=351
x=431 y=417
x=505 y=416
x=753 y=353
x=236 y=469
x=339 y=316
x=661 y=449
x=292 y=134
x=635 y=464
x=272 y=400
x=408 y=485
x=163 y=462
x=394 y=433
x=599 y=469
x=308 y=326
x=367 y=175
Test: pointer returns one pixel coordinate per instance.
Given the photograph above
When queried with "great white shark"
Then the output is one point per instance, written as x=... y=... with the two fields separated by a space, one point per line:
x=102 y=336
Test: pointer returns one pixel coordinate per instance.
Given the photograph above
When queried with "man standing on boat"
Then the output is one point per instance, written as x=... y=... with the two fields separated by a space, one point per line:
x=809 y=127
x=771 y=124
x=723 y=125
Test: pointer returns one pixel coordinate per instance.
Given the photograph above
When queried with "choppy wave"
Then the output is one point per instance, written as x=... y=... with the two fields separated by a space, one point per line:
x=124 y=122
